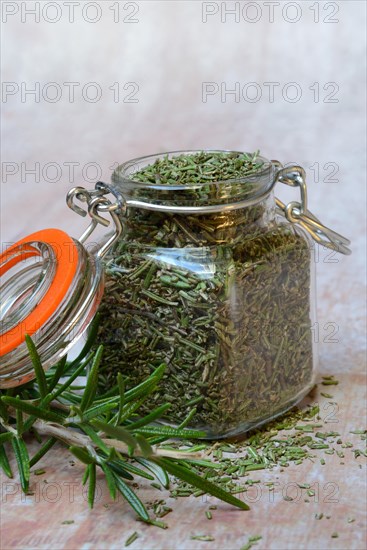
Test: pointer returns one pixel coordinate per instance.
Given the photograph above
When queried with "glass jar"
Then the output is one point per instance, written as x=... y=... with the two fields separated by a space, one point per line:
x=214 y=279
x=211 y=281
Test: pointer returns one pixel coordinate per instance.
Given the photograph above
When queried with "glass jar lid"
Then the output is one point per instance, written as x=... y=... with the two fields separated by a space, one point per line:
x=51 y=288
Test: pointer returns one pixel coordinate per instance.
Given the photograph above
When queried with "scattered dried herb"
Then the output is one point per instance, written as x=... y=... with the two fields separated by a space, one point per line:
x=277 y=445
x=251 y=542
x=329 y=381
x=132 y=538
x=157 y=523
x=68 y=522
x=221 y=298
x=204 y=538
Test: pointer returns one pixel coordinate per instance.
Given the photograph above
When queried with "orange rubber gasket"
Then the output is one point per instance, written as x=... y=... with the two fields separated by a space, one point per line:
x=66 y=254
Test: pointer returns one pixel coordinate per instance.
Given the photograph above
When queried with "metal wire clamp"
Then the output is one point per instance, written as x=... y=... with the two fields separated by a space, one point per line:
x=297 y=212
x=97 y=203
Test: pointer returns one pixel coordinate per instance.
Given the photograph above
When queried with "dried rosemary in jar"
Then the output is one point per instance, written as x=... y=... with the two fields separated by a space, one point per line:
x=208 y=279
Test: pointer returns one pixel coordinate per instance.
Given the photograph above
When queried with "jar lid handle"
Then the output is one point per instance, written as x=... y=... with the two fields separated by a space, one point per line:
x=297 y=212
x=97 y=203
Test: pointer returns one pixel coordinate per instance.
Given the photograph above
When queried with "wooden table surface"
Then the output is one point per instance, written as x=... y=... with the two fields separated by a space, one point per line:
x=38 y=520
x=170 y=53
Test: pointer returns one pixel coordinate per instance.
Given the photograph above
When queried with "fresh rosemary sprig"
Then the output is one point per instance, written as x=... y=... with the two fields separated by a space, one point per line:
x=103 y=431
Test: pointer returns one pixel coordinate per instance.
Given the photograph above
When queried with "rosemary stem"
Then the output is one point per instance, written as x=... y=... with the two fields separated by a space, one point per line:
x=71 y=437
x=7 y=427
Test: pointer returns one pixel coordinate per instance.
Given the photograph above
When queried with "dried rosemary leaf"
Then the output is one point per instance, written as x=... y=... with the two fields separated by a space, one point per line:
x=132 y=538
x=204 y=538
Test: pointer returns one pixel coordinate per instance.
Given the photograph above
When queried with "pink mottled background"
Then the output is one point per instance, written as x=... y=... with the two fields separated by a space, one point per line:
x=162 y=53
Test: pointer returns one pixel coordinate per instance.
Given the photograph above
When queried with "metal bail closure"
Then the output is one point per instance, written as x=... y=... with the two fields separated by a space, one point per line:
x=98 y=202
x=297 y=212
